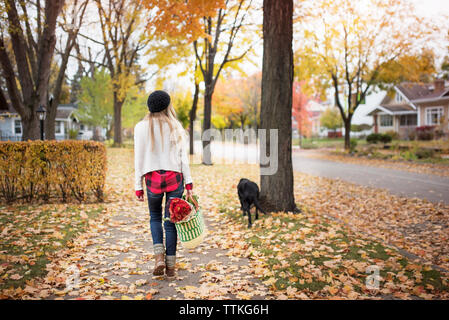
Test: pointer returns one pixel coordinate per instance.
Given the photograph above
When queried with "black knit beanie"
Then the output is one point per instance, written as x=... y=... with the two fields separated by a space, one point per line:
x=157 y=101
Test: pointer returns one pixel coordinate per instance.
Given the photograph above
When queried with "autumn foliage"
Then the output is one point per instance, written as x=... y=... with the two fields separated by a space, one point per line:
x=181 y=18
x=299 y=109
x=42 y=170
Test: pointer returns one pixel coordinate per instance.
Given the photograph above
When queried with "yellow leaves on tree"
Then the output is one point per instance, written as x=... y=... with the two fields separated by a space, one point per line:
x=409 y=67
x=123 y=82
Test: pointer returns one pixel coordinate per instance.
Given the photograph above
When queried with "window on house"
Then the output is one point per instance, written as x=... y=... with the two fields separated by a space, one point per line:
x=17 y=127
x=81 y=127
x=408 y=120
x=58 y=127
x=386 y=120
x=433 y=115
x=399 y=97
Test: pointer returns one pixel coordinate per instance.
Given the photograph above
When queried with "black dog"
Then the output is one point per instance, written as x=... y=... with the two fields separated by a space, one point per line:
x=249 y=195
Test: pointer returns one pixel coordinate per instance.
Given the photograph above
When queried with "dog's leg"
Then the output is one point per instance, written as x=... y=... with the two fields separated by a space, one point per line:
x=249 y=219
x=257 y=213
x=244 y=207
x=256 y=203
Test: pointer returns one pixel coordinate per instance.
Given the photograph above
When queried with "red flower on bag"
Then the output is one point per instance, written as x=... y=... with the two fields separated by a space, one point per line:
x=179 y=210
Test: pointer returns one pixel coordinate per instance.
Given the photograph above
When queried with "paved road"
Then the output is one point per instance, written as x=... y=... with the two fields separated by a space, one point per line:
x=404 y=183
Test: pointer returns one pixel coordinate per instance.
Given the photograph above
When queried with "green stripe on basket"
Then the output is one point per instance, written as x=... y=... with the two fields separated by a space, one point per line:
x=192 y=229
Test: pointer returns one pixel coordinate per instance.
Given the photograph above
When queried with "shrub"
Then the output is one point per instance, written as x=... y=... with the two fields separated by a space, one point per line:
x=353 y=144
x=425 y=153
x=52 y=169
x=393 y=134
x=425 y=133
x=373 y=138
x=73 y=134
x=408 y=155
x=385 y=138
x=378 y=137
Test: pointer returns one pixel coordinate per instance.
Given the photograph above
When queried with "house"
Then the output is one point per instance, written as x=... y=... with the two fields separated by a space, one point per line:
x=11 y=125
x=316 y=109
x=372 y=100
x=412 y=105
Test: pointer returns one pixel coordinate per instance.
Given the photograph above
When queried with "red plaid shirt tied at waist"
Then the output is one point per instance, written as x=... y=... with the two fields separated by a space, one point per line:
x=161 y=181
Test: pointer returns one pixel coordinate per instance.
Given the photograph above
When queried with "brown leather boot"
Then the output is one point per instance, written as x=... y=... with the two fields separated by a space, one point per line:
x=170 y=264
x=159 y=265
x=170 y=272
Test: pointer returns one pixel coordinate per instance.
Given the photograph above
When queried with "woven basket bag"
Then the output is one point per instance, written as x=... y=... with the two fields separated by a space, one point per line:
x=192 y=232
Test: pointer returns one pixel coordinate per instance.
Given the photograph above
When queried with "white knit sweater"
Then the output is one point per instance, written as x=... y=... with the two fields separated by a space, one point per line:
x=165 y=156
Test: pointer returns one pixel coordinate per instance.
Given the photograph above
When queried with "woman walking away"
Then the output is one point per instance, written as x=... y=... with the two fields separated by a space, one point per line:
x=161 y=157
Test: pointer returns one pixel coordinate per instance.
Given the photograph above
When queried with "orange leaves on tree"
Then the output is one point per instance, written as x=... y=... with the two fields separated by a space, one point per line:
x=238 y=100
x=299 y=109
x=181 y=18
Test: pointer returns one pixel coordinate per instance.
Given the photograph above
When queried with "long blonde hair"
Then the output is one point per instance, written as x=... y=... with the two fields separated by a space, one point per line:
x=168 y=115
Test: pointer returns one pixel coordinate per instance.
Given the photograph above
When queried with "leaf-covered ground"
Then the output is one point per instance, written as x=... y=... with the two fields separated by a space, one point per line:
x=32 y=235
x=325 y=252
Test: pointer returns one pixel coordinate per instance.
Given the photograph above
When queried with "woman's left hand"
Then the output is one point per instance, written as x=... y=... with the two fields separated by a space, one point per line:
x=189 y=193
x=139 y=195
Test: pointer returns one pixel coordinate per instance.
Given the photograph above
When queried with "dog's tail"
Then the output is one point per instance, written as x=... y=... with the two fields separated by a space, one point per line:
x=257 y=204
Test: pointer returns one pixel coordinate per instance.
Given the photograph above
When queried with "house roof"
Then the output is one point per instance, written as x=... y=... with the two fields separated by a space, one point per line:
x=414 y=93
x=63 y=113
x=399 y=107
x=424 y=91
x=393 y=109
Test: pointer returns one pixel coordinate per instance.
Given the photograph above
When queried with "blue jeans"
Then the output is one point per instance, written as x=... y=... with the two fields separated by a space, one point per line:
x=155 y=207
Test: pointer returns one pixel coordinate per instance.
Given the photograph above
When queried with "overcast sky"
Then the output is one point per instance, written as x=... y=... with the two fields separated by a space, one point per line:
x=432 y=7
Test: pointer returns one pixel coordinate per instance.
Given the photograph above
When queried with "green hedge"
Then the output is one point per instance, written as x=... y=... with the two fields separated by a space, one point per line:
x=378 y=137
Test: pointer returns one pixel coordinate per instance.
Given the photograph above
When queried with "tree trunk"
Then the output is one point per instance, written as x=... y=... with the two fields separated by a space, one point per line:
x=95 y=136
x=348 y=133
x=192 y=117
x=31 y=65
x=52 y=107
x=46 y=49
x=50 y=120
x=276 y=107
x=31 y=127
x=207 y=156
x=117 y=121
